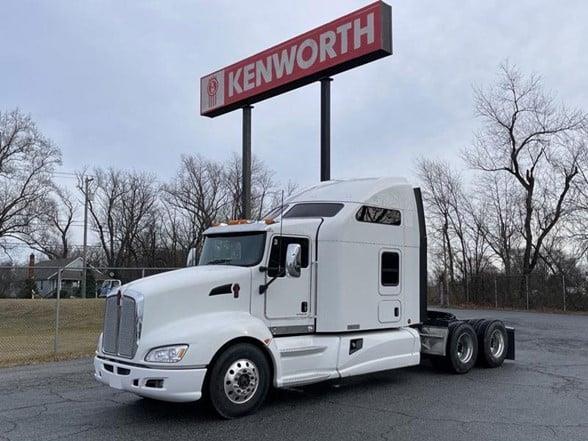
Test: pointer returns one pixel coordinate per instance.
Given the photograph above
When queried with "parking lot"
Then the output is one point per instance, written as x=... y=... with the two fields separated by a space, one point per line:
x=543 y=395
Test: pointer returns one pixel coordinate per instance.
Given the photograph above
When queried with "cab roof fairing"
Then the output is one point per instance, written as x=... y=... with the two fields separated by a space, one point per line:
x=380 y=192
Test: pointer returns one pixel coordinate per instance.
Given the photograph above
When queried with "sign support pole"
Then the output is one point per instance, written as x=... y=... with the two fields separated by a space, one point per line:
x=246 y=164
x=326 y=129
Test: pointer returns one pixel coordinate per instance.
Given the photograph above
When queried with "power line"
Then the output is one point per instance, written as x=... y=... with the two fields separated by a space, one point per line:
x=24 y=245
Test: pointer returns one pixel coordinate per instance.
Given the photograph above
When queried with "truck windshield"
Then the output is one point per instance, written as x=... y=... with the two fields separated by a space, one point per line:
x=244 y=249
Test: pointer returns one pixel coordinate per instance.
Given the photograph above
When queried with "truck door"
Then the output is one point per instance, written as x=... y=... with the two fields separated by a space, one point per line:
x=288 y=297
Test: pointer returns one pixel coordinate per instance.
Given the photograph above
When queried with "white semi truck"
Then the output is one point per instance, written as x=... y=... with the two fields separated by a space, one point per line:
x=334 y=285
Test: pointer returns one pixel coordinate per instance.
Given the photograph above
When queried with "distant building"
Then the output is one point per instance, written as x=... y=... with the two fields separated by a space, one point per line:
x=45 y=274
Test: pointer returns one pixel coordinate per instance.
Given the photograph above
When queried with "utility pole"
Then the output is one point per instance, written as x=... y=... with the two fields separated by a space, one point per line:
x=87 y=181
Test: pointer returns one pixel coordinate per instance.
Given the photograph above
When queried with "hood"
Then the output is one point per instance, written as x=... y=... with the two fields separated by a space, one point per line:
x=187 y=280
x=175 y=295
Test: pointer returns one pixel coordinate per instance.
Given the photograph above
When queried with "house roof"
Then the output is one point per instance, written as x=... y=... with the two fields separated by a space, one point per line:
x=71 y=269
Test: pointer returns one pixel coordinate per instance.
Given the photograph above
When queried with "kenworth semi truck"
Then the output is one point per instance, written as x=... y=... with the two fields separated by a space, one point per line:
x=333 y=284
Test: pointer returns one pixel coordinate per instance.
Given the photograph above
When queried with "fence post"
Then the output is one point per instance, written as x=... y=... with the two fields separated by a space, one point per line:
x=563 y=284
x=527 y=289
x=142 y=273
x=495 y=292
x=58 y=298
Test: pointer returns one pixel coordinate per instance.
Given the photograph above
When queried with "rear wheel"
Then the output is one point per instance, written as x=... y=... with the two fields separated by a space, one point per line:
x=493 y=343
x=239 y=381
x=462 y=349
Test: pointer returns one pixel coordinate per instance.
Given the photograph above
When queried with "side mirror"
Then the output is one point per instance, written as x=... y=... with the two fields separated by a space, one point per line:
x=191 y=260
x=293 y=260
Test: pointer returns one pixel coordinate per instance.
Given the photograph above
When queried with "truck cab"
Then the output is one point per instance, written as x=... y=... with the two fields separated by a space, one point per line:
x=333 y=285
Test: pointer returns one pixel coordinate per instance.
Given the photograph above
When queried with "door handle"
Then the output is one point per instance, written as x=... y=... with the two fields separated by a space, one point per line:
x=304 y=307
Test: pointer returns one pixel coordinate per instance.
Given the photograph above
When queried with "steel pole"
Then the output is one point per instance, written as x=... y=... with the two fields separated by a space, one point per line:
x=246 y=166
x=527 y=289
x=495 y=293
x=326 y=129
x=563 y=284
x=58 y=298
x=85 y=245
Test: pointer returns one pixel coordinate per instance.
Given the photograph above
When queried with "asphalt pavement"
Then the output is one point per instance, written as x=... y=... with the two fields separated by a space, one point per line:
x=543 y=395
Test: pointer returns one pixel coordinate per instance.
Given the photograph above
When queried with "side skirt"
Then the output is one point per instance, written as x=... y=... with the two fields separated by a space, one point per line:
x=306 y=359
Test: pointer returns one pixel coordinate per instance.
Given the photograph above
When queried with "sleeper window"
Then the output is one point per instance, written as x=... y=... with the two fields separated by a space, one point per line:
x=375 y=215
x=390 y=269
x=277 y=259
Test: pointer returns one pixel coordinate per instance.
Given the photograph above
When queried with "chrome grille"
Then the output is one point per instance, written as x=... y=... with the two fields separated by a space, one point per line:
x=127 y=334
x=109 y=337
x=120 y=327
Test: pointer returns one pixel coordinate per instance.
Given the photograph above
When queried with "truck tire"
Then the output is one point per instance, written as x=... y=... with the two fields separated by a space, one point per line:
x=462 y=349
x=239 y=381
x=476 y=323
x=492 y=343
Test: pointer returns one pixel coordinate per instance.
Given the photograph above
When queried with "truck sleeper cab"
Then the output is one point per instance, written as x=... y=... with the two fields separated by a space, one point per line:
x=335 y=286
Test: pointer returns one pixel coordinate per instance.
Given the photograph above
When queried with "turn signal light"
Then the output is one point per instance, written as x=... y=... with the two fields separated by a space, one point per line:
x=238 y=222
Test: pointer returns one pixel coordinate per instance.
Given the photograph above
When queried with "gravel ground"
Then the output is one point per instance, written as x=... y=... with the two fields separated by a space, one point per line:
x=543 y=395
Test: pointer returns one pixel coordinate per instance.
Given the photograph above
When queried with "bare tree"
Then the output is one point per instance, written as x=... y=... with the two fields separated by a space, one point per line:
x=121 y=204
x=27 y=160
x=454 y=218
x=204 y=192
x=176 y=234
x=51 y=235
x=434 y=180
x=286 y=191
x=197 y=193
x=577 y=227
x=263 y=187
x=499 y=201
x=527 y=135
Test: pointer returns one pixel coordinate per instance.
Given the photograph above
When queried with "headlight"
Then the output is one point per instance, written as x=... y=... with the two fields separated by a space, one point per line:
x=167 y=354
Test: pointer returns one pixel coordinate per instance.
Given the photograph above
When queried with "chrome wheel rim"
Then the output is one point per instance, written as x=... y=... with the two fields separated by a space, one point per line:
x=497 y=343
x=241 y=381
x=465 y=348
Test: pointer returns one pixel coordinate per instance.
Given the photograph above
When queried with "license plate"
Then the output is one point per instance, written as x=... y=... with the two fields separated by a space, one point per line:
x=115 y=382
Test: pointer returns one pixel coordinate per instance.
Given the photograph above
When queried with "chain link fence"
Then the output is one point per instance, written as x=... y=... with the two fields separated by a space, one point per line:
x=531 y=292
x=43 y=312
x=44 y=316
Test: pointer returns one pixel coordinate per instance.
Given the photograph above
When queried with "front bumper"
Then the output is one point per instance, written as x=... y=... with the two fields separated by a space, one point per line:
x=176 y=384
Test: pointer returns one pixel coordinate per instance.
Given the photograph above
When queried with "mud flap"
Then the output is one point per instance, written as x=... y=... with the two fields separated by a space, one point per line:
x=510 y=353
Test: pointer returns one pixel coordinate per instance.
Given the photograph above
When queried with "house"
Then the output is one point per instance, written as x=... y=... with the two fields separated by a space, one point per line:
x=45 y=274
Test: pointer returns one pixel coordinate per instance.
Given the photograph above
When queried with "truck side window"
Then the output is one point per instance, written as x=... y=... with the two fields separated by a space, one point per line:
x=376 y=215
x=277 y=259
x=390 y=271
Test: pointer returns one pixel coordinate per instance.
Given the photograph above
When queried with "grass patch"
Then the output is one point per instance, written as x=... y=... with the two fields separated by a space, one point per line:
x=27 y=329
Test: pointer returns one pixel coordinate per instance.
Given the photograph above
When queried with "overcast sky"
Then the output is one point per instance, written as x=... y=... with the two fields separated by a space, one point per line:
x=116 y=82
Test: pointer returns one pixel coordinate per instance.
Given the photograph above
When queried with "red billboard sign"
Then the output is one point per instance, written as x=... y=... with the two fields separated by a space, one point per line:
x=354 y=39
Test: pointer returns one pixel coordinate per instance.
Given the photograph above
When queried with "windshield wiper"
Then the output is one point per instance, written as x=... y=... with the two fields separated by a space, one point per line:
x=219 y=261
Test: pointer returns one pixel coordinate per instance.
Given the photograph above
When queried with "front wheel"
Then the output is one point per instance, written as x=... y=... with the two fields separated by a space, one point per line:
x=239 y=381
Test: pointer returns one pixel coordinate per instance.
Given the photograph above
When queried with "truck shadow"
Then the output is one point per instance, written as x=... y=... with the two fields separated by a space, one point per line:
x=353 y=389
x=278 y=400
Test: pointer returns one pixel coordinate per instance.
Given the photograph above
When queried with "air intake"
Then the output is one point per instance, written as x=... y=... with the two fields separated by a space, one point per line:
x=120 y=326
